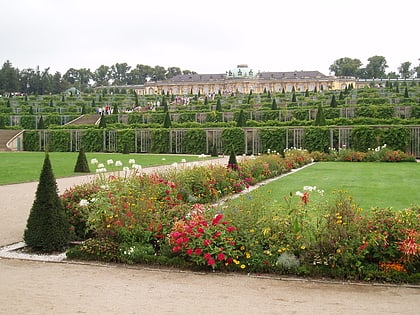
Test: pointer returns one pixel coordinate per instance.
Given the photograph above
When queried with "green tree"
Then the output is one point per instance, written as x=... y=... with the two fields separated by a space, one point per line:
x=102 y=121
x=82 y=165
x=218 y=105
x=405 y=70
x=333 y=101
x=294 y=97
x=241 y=121
x=376 y=68
x=346 y=67
x=232 y=162
x=320 y=118
x=41 y=124
x=274 y=104
x=167 y=122
x=47 y=228
x=406 y=93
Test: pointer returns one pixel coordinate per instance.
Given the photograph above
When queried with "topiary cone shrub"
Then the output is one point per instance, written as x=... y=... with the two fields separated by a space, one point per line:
x=82 y=165
x=232 y=163
x=47 y=229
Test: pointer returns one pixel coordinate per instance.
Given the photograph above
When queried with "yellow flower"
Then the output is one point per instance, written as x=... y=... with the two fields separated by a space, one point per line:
x=243 y=266
x=242 y=247
x=338 y=251
x=302 y=247
x=247 y=255
x=251 y=230
x=236 y=262
x=108 y=226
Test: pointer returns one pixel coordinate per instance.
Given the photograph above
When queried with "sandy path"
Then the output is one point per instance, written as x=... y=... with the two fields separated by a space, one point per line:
x=28 y=287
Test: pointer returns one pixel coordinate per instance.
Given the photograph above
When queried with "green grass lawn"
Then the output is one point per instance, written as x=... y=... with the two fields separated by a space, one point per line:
x=382 y=185
x=18 y=167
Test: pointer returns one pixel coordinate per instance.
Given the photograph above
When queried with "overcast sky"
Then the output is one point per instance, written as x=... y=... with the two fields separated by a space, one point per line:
x=207 y=36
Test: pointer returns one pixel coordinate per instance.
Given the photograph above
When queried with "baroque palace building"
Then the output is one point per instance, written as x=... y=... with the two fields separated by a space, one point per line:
x=243 y=79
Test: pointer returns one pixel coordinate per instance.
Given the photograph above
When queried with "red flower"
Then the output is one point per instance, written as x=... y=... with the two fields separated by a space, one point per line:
x=230 y=229
x=206 y=242
x=189 y=251
x=216 y=234
x=198 y=251
x=217 y=219
x=305 y=198
x=176 y=249
x=220 y=256
x=211 y=262
x=207 y=256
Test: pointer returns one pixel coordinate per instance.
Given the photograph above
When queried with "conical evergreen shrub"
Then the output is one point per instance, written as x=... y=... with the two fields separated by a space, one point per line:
x=274 y=104
x=82 y=165
x=333 y=101
x=232 y=163
x=320 y=118
x=102 y=121
x=167 y=121
x=47 y=229
x=241 y=121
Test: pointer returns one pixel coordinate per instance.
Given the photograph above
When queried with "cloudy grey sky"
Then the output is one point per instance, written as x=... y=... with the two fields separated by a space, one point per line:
x=207 y=36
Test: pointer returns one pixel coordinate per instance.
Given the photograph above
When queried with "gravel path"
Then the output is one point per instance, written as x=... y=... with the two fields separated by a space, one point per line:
x=34 y=287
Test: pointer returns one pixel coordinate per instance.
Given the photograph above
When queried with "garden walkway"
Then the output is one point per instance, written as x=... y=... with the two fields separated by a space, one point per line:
x=33 y=287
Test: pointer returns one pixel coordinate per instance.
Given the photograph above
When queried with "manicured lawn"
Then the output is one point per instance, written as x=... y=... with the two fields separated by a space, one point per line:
x=382 y=185
x=18 y=167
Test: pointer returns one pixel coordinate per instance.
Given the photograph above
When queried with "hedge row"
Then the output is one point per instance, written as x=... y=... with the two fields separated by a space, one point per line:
x=198 y=140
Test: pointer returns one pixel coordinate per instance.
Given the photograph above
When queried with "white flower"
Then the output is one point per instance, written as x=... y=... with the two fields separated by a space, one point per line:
x=118 y=163
x=101 y=170
x=298 y=193
x=101 y=165
x=163 y=159
x=110 y=162
x=131 y=161
x=126 y=168
x=94 y=161
x=309 y=188
x=183 y=161
x=175 y=164
x=136 y=166
x=83 y=203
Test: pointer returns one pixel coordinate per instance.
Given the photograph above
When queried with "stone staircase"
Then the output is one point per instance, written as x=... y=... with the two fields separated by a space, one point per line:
x=5 y=136
x=88 y=119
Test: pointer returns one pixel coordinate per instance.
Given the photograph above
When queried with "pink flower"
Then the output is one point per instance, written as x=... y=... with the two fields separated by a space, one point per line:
x=176 y=249
x=198 y=251
x=206 y=242
x=220 y=256
x=189 y=251
x=217 y=234
x=207 y=256
x=211 y=262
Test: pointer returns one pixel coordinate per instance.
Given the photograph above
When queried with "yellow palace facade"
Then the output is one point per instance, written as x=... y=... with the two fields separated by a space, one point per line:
x=243 y=79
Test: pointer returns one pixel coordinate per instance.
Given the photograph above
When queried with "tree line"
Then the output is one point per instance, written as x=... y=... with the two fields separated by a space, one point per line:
x=36 y=81
x=375 y=69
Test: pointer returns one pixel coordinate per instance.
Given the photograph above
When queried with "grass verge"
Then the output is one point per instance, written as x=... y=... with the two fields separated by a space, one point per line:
x=19 y=167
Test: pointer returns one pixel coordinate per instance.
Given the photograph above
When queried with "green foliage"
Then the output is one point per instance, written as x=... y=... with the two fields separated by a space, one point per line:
x=47 y=228
x=82 y=165
x=320 y=118
x=233 y=137
x=160 y=140
x=102 y=122
x=363 y=138
x=167 y=122
x=333 y=101
x=241 y=120
x=317 y=139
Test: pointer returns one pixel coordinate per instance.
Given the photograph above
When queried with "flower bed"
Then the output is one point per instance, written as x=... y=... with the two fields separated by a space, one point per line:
x=170 y=219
